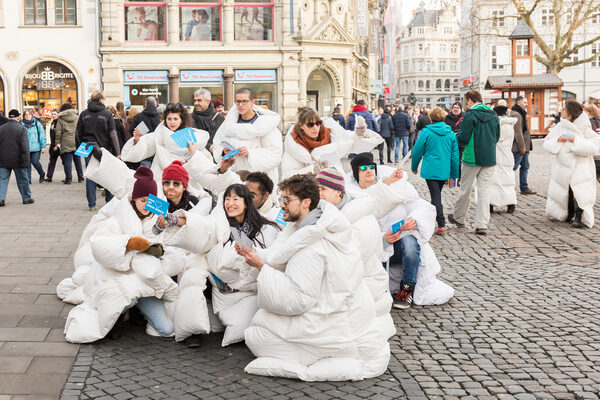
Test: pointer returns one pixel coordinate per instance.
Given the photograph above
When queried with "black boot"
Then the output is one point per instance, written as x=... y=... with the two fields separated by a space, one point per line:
x=510 y=209
x=491 y=209
x=117 y=330
x=577 y=220
x=42 y=176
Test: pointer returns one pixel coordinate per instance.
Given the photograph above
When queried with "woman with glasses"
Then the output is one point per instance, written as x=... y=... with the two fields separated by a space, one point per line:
x=313 y=144
x=233 y=280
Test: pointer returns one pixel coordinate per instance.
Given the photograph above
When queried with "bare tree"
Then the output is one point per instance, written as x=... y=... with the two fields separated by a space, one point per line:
x=568 y=19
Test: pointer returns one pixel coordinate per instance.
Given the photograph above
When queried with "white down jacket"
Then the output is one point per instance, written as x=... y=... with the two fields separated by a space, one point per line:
x=116 y=278
x=502 y=187
x=316 y=319
x=573 y=166
x=428 y=290
x=235 y=310
x=297 y=160
x=262 y=139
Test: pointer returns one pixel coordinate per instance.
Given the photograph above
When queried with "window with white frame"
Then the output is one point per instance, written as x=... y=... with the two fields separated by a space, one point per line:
x=420 y=48
x=145 y=21
x=200 y=20
x=443 y=48
x=454 y=66
x=522 y=47
x=447 y=85
x=596 y=50
x=421 y=86
x=497 y=18
x=494 y=57
x=66 y=12
x=547 y=17
x=575 y=56
x=35 y=12
x=454 y=48
x=595 y=18
x=442 y=66
x=420 y=66
x=427 y=85
x=427 y=50
x=405 y=66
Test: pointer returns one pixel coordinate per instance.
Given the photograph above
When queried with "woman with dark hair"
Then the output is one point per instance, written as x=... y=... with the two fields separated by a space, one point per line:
x=313 y=144
x=119 y=126
x=233 y=280
x=37 y=143
x=572 y=187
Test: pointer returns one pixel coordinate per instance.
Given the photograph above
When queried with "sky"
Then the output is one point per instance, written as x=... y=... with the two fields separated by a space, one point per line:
x=409 y=5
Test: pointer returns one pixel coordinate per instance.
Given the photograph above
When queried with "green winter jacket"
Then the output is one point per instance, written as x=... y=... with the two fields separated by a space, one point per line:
x=479 y=131
x=65 y=130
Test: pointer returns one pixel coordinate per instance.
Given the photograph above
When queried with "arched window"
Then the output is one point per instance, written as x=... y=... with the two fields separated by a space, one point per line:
x=421 y=86
x=427 y=84
x=447 y=85
x=49 y=84
x=438 y=84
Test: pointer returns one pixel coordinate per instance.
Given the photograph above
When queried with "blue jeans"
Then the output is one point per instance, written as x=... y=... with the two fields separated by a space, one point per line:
x=68 y=159
x=404 y=140
x=153 y=310
x=35 y=161
x=90 y=189
x=22 y=182
x=407 y=256
x=523 y=162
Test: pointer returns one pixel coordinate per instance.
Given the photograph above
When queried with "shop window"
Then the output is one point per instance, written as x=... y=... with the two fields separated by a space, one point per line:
x=186 y=94
x=138 y=85
x=49 y=84
x=145 y=21
x=200 y=21
x=595 y=50
x=66 y=12
x=522 y=48
x=35 y=12
x=253 y=20
x=264 y=93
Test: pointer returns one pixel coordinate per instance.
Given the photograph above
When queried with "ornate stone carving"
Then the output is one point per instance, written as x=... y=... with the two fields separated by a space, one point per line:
x=330 y=34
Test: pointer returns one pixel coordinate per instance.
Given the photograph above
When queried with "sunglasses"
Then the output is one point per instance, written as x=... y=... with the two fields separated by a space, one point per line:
x=285 y=201
x=364 y=167
x=311 y=124
x=172 y=183
x=174 y=107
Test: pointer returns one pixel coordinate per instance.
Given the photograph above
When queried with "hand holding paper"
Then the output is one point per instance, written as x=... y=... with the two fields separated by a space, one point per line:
x=84 y=150
x=157 y=206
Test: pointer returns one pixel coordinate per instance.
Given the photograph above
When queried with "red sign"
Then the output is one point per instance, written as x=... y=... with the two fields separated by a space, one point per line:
x=46 y=112
x=386 y=90
x=467 y=82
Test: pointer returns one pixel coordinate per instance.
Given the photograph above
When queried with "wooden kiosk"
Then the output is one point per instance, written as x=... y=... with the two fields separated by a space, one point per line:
x=542 y=91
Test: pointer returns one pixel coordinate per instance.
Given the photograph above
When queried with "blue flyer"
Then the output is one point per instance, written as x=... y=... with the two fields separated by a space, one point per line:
x=231 y=154
x=157 y=206
x=227 y=144
x=397 y=226
x=279 y=219
x=183 y=137
x=84 y=150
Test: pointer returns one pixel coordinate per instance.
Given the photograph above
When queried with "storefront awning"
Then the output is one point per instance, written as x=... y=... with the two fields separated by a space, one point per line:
x=523 y=82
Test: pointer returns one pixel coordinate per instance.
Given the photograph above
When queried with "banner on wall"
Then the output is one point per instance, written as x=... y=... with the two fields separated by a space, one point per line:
x=362 y=17
x=201 y=76
x=374 y=36
x=255 y=75
x=145 y=76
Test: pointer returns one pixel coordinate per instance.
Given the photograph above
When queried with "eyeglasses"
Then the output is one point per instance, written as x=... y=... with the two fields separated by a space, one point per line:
x=172 y=183
x=244 y=101
x=364 y=167
x=285 y=200
x=311 y=124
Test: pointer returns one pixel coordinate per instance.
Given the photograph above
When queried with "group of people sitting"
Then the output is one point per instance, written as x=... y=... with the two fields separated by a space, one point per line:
x=304 y=269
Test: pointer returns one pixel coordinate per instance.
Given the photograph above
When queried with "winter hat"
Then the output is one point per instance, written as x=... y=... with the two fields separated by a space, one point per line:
x=176 y=172
x=14 y=113
x=331 y=178
x=362 y=159
x=217 y=103
x=144 y=184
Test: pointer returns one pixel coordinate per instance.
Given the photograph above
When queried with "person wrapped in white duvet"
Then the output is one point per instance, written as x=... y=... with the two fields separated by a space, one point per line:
x=316 y=319
x=312 y=144
x=130 y=266
x=233 y=280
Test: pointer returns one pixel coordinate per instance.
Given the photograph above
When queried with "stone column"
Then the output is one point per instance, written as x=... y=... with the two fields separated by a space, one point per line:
x=172 y=18
x=228 y=22
x=228 y=98
x=173 y=87
x=302 y=77
x=348 y=82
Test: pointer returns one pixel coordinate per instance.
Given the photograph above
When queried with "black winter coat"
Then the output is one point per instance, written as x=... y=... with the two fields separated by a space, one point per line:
x=423 y=121
x=401 y=123
x=97 y=125
x=14 y=146
x=208 y=120
x=340 y=119
x=149 y=116
x=386 y=125
x=454 y=121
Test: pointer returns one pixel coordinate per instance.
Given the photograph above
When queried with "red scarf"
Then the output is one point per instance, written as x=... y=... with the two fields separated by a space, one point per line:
x=308 y=143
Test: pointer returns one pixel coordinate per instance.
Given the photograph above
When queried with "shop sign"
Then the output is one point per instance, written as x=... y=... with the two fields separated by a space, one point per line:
x=256 y=75
x=201 y=76
x=362 y=17
x=48 y=75
x=376 y=86
x=145 y=76
x=46 y=112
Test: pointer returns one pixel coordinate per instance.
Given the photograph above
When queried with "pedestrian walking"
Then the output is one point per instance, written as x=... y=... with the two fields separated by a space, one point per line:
x=363 y=111
x=402 y=126
x=37 y=143
x=438 y=148
x=14 y=156
x=422 y=121
x=386 y=130
x=479 y=131
x=339 y=117
x=522 y=145
x=572 y=187
x=66 y=125
x=96 y=126
x=502 y=188
x=52 y=154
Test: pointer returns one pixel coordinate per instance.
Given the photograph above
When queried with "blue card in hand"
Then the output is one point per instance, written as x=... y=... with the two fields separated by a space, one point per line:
x=157 y=206
x=84 y=150
x=397 y=226
x=231 y=154
x=183 y=137
x=227 y=144
x=279 y=219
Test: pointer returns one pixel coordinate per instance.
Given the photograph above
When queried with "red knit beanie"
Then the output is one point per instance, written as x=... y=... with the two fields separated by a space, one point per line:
x=144 y=184
x=176 y=172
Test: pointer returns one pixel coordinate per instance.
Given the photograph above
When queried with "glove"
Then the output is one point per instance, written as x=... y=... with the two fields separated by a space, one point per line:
x=361 y=126
x=96 y=152
x=320 y=166
x=155 y=250
x=137 y=243
x=170 y=219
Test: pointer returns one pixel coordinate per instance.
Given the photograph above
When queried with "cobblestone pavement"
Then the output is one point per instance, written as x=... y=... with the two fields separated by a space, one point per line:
x=522 y=325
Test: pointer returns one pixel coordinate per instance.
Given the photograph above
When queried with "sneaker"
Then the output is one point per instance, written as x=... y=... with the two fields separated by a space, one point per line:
x=510 y=209
x=481 y=231
x=404 y=298
x=153 y=332
x=66 y=181
x=93 y=208
x=193 y=341
x=30 y=201
x=455 y=222
x=440 y=231
x=42 y=176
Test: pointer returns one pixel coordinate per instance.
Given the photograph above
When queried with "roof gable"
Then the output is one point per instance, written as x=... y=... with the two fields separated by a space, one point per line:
x=330 y=30
x=522 y=31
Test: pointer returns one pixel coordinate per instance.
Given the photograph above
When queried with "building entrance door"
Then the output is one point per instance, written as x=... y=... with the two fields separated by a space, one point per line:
x=312 y=97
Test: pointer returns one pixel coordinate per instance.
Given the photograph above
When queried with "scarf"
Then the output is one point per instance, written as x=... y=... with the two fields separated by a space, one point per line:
x=28 y=123
x=186 y=203
x=308 y=143
x=523 y=113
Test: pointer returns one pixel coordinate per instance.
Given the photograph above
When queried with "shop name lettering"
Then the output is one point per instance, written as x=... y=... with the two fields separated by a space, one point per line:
x=244 y=75
x=50 y=76
x=145 y=77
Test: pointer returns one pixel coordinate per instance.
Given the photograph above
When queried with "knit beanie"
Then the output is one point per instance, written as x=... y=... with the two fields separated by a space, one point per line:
x=144 y=184
x=362 y=159
x=331 y=178
x=176 y=172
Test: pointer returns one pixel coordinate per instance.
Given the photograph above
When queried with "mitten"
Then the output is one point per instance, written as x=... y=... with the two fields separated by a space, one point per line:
x=361 y=126
x=320 y=166
x=137 y=243
x=170 y=219
x=96 y=152
x=155 y=250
